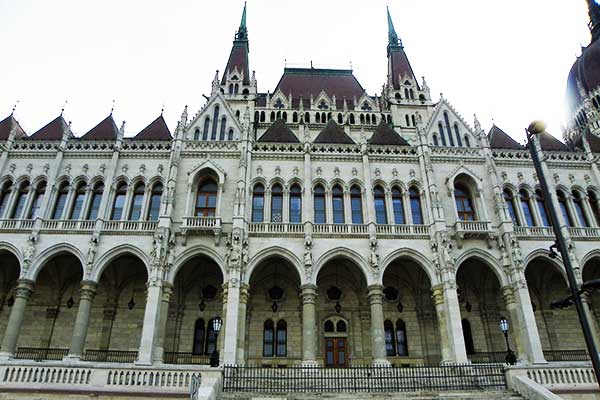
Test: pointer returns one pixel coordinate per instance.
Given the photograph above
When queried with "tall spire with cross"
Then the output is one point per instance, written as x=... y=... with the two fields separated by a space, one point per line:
x=238 y=58
x=393 y=39
x=398 y=64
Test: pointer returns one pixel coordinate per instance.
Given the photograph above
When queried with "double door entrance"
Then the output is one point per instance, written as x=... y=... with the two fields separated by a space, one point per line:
x=336 y=352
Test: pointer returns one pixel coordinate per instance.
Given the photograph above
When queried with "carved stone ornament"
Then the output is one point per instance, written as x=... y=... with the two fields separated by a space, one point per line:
x=12 y=168
x=124 y=168
x=354 y=171
x=395 y=172
x=259 y=170
x=377 y=173
x=29 y=168
x=556 y=178
x=504 y=176
x=68 y=169
x=160 y=169
x=412 y=173
x=336 y=172
x=85 y=168
x=319 y=171
x=295 y=171
x=572 y=178
x=46 y=168
x=520 y=176
x=588 y=180
x=277 y=170
x=142 y=169
x=102 y=168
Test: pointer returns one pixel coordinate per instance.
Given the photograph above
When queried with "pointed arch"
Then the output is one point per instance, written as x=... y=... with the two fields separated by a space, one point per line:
x=44 y=256
x=487 y=259
x=275 y=252
x=105 y=259
x=343 y=252
x=418 y=258
x=192 y=252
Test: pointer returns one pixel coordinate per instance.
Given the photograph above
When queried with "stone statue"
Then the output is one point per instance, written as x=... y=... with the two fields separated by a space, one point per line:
x=374 y=257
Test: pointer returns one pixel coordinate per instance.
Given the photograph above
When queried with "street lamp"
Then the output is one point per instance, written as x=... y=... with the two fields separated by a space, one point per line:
x=217 y=323
x=511 y=358
x=535 y=129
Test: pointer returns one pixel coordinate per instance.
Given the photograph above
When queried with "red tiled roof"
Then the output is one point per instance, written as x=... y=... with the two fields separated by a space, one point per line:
x=333 y=133
x=238 y=58
x=279 y=132
x=105 y=130
x=157 y=130
x=549 y=142
x=53 y=130
x=7 y=124
x=400 y=66
x=501 y=140
x=386 y=135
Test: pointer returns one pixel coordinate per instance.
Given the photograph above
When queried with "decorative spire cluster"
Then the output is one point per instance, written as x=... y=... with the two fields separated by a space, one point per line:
x=393 y=39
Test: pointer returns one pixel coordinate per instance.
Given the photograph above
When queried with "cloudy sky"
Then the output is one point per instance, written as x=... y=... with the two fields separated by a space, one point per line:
x=506 y=61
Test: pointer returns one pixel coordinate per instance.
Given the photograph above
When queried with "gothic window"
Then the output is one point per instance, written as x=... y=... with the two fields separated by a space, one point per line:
x=137 y=202
x=4 y=196
x=415 y=206
x=362 y=119
x=368 y=119
x=284 y=116
x=352 y=120
x=509 y=198
x=467 y=142
x=318 y=118
x=398 y=206
x=61 y=201
x=236 y=89
x=407 y=119
x=526 y=207
x=197 y=134
x=464 y=203
x=198 y=347
x=356 y=204
x=329 y=327
x=325 y=118
x=339 y=119
x=40 y=191
x=564 y=208
x=541 y=205
x=205 y=129
x=231 y=88
x=340 y=326
x=119 y=202
x=412 y=94
x=579 y=210
x=295 y=117
x=295 y=204
x=256 y=116
x=262 y=116
x=278 y=104
x=21 y=199
x=211 y=338
x=374 y=119
x=307 y=118
x=237 y=114
x=457 y=133
x=594 y=203
x=413 y=120
x=258 y=203
x=468 y=336
x=272 y=116
x=230 y=134
x=401 y=339
x=323 y=105
x=154 y=207
x=406 y=96
x=206 y=199
x=222 y=128
x=281 y=338
x=380 y=212
x=390 y=343
x=337 y=200
x=268 y=336
x=213 y=133
x=77 y=207
x=95 y=201
x=435 y=140
x=277 y=203
x=448 y=130
x=441 y=130
x=319 y=204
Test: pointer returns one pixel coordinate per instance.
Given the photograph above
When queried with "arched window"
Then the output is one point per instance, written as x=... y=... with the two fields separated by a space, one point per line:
x=37 y=201
x=464 y=203
x=406 y=96
x=295 y=204
x=211 y=338
x=380 y=212
x=222 y=128
x=306 y=117
x=564 y=208
x=154 y=207
x=401 y=338
x=198 y=347
x=318 y=118
x=340 y=326
x=406 y=117
x=237 y=114
x=413 y=120
x=284 y=116
x=206 y=199
x=579 y=210
x=340 y=118
x=594 y=204
x=295 y=117
x=509 y=198
x=197 y=134
x=61 y=201
x=319 y=204
x=281 y=338
x=448 y=130
x=412 y=94
x=468 y=335
x=236 y=88
x=268 y=338
x=119 y=202
x=21 y=200
x=356 y=204
x=398 y=206
x=390 y=343
x=230 y=88
x=415 y=206
x=205 y=129
x=374 y=119
x=541 y=205
x=337 y=201
x=258 y=203
x=442 y=137
x=467 y=142
x=277 y=203
x=230 y=134
x=526 y=206
x=95 y=201
x=368 y=119
x=272 y=116
x=213 y=133
x=262 y=116
x=457 y=133
x=137 y=202
x=4 y=196
x=352 y=120
x=329 y=327
x=77 y=207
x=435 y=140
x=362 y=119
x=256 y=116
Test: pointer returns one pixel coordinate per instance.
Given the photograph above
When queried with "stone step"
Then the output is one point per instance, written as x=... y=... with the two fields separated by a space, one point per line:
x=458 y=395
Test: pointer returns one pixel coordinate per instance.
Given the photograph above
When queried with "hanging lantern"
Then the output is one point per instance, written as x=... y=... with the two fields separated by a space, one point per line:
x=10 y=301
x=338 y=307
x=70 y=302
x=400 y=306
x=274 y=307
x=131 y=303
x=202 y=305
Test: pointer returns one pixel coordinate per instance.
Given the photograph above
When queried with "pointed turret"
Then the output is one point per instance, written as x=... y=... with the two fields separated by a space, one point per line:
x=242 y=33
x=398 y=65
x=237 y=68
x=393 y=39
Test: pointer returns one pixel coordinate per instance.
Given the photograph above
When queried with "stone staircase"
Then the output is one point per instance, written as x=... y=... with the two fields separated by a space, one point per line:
x=454 y=395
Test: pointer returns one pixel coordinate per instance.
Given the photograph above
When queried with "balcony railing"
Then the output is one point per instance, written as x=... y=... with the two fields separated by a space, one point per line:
x=280 y=228
x=340 y=229
x=39 y=354
x=534 y=232
x=566 y=355
x=115 y=356
x=68 y=225
x=16 y=224
x=200 y=223
x=129 y=227
x=55 y=354
x=585 y=233
x=473 y=227
x=186 y=358
x=403 y=230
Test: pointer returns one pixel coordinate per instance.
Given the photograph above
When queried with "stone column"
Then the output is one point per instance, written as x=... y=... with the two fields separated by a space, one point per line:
x=375 y=296
x=87 y=292
x=585 y=299
x=167 y=292
x=308 y=296
x=9 y=342
x=244 y=295
x=524 y=328
x=450 y=323
x=146 y=352
x=230 y=330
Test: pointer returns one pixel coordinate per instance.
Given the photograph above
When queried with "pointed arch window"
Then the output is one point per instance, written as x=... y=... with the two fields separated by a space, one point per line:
x=137 y=202
x=441 y=130
x=401 y=338
x=594 y=204
x=284 y=116
x=406 y=95
x=467 y=142
x=407 y=119
x=398 y=206
x=306 y=117
x=95 y=201
x=564 y=208
x=337 y=200
x=318 y=118
x=356 y=204
x=206 y=199
x=464 y=203
x=468 y=336
x=211 y=338
x=295 y=117
x=119 y=202
x=258 y=203
x=77 y=207
x=155 y=197
x=362 y=119
x=199 y=331
x=277 y=203
x=380 y=212
x=223 y=127
x=197 y=134
x=526 y=207
x=368 y=118
x=22 y=193
x=268 y=338
x=213 y=133
x=390 y=343
x=374 y=119
x=205 y=129
x=448 y=130
x=295 y=204
x=281 y=338
x=415 y=206
x=413 y=120
x=37 y=201
x=579 y=210
x=509 y=198
x=4 y=196
x=319 y=204
x=541 y=205
x=457 y=133
x=272 y=116
x=435 y=140
x=352 y=120
x=339 y=118
x=262 y=116
x=230 y=134
x=61 y=201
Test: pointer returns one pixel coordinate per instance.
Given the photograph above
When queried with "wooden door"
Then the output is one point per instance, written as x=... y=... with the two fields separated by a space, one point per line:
x=336 y=352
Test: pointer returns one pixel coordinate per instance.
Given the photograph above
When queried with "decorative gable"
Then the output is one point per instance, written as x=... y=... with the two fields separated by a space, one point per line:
x=447 y=128
x=215 y=121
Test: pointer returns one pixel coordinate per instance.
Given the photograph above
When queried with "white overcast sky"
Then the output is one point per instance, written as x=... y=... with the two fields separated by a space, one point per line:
x=505 y=61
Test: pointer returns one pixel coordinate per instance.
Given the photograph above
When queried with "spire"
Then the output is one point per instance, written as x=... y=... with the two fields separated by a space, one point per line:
x=594 y=24
x=393 y=39
x=238 y=58
x=242 y=33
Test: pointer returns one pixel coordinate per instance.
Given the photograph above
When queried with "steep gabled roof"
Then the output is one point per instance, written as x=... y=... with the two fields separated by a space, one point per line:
x=53 y=130
x=105 y=130
x=333 y=133
x=7 y=124
x=501 y=140
x=549 y=142
x=157 y=130
x=385 y=134
x=279 y=132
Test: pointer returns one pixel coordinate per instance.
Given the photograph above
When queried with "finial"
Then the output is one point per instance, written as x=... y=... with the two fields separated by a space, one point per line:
x=393 y=39
x=14 y=108
x=62 y=110
x=311 y=66
x=112 y=108
x=162 y=110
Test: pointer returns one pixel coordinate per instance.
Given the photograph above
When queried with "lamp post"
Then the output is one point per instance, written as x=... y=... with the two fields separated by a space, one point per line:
x=511 y=358
x=534 y=129
x=217 y=323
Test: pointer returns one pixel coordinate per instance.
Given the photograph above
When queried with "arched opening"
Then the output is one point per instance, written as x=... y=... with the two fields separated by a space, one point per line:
x=542 y=208
x=118 y=202
x=277 y=203
x=77 y=206
x=19 y=205
x=38 y=197
x=206 y=198
x=463 y=198
x=509 y=199
x=258 y=203
x=9 y=273
x=526 y=207
x=95 y=201
x=580 y=212
x=4 y=196
x=137 y=201
x=295 y=204
x=319 y=204
x=380 y=206
x=61 y=201
x=415 y=206
x=154 y=206
x=352 y=120
x=356 y=204
x=337 y=199
x=594 y=205
x=563 y=203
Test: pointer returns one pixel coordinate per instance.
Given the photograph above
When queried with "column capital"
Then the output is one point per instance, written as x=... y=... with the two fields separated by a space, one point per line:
x=24 y=288
x=244 y=293
x=167 y=291
x=87 y=290
x=508 y=294
x=437 y=294
x=375 y=294
x=308 y=293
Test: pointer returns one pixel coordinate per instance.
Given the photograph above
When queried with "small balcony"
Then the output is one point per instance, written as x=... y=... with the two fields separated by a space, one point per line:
x=202 y=226
x=68 y=225
x=16 y=225
x=585 y=233
x=404 y=231
x=534 y=232
x=276 y=228
x=474 y=230
x=129 y=227
x=334 y=230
